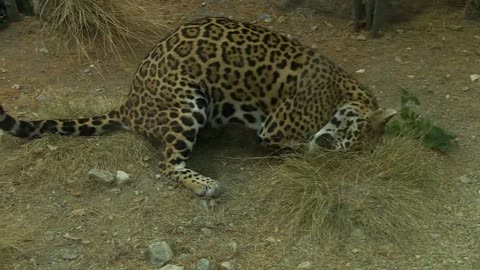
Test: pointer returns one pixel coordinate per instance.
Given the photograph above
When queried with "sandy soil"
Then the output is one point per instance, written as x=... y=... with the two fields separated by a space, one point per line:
x=106 y=229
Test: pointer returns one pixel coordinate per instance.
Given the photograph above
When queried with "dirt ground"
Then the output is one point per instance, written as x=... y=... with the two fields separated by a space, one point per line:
x=72 y=223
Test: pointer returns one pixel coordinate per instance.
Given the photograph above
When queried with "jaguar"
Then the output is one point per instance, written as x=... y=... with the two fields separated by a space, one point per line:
x=213 y=71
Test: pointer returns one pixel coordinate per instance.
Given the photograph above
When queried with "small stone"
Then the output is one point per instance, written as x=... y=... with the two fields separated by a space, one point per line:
x=206 y=231
x=204 y=264
x=122 y=178
x=185 y=258
x=411 y=76
x=49 y=235
x=270 y=239
x=355 y=250
x=265 y=17
x=52 y=147
x=69 y=256
x=474 y=77
x=226 y=266
x=465 y=179
x=203 y=4
x=171 y=267
x=2 y=70
x=43 y=50
x=101 y=176
x=362 y=70
x=16 y=86
x=358 y=234
x=40 y=97
x=314 y=28
x=79 y=212
x=465 y=88
x=398 y=59
x=305 y=265
x=115 y=190
x=361 y=37
x=159 y=253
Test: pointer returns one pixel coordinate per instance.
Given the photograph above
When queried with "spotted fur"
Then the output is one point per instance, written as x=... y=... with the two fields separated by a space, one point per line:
x=217 y=70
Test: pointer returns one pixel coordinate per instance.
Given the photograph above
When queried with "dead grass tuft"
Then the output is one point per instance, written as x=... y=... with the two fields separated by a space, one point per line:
x=387 y=194
x=69 y=158
x=111 y=24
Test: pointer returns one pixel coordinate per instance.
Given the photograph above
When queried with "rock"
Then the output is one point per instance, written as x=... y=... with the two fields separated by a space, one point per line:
x=206 y=231
x=16 y=86
x=49 y=235
x=43 y=50
x=159 y=253
x=122 y=178
x=361 y=37
x=101 y=176
x=355 y=250
x=358 y=234
x=411 y=76
x=305 y=265
x=69 y=255
x=271 y=239
x=204 y=264
x=362 y=70
x=465 y=179
x=265 y=17
x=226 y=266
x=171 y=267
x=185 y=258
x=474 y=77
x=40 y=97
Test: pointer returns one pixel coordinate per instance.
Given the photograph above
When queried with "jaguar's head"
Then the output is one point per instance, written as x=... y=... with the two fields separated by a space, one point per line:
x=352 y=128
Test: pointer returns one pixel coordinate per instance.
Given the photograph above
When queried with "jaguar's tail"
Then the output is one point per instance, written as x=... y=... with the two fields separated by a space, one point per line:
x=90 y=126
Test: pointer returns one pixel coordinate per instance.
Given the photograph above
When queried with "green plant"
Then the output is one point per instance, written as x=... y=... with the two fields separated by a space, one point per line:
x=410 y=123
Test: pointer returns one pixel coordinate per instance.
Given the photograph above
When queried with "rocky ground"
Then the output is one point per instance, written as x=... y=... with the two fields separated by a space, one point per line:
x=74 y=222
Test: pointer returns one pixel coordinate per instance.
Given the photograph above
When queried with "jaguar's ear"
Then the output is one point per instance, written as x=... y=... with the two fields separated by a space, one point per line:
x=381 y=116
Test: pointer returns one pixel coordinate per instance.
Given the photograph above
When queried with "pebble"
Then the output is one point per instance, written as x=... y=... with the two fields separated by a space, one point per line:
x=206 y=231
x=226 y=266
x=101 y=176
x=265 y=17
x=49 y=235
x=16 y=86
x=43 y=50
x=411 y=76
x=270 y=239
x=204 y=264
x=305 y=265
x=362 y=70
x=171 y=267
x=465 y=179
x=185 y=258
x=361 y=37
x=40 y=97
x=69 y=255
x=122 y=178
x=159 y=253
x=358 y=234
x=474 y=77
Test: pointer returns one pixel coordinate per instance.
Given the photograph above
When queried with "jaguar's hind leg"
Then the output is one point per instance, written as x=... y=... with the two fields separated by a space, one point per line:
x=175 y=135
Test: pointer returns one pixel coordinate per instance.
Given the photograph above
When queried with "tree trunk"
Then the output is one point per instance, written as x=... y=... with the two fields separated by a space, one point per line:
x=13 y=14
x=472 y=10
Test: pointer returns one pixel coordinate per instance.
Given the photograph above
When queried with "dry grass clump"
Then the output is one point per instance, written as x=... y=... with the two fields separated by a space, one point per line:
x=387 y=194
x=65 y=158
x=111 y=24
